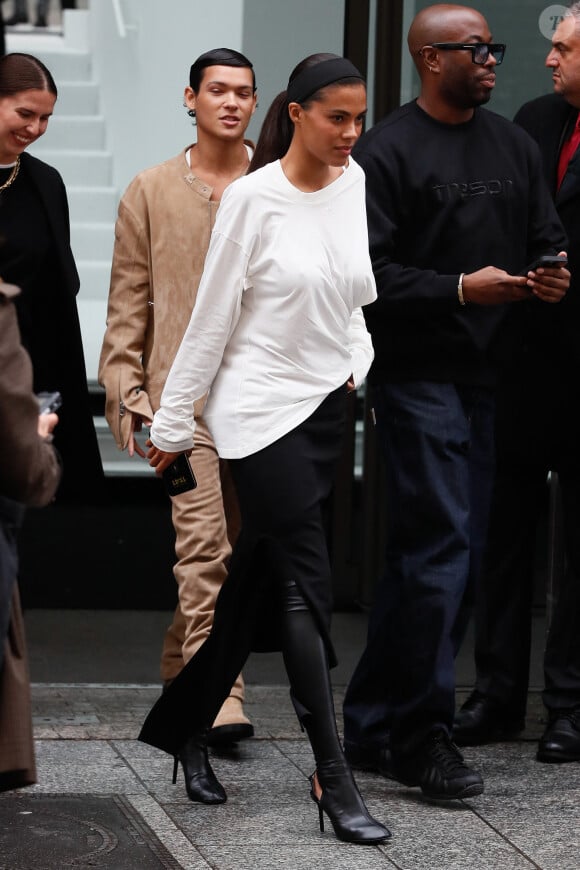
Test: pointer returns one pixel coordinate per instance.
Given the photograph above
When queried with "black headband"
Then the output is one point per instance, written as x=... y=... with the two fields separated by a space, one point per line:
x=315 y=77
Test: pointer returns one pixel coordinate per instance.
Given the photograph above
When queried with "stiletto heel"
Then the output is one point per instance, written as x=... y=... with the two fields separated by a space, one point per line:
x=332 y=785
x=341 y=800
x=315 y=799
x=201 y=783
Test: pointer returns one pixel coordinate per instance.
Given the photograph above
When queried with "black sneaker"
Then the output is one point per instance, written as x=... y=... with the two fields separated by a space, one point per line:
x=437 y=766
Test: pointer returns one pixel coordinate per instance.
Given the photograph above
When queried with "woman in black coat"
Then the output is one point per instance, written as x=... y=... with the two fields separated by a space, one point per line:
x=35 y=254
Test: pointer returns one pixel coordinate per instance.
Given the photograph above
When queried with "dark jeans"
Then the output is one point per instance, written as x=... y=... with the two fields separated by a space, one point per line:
x=437 y=443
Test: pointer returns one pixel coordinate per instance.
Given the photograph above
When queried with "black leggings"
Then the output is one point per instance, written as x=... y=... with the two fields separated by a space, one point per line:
x=306 y=664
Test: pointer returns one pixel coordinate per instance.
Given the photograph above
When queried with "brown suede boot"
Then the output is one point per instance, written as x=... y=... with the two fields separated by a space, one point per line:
x=231 y=724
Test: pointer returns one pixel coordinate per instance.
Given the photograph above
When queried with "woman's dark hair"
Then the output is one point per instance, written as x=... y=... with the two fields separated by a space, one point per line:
x=217 y=57
x=277 y=128
x=24 y=72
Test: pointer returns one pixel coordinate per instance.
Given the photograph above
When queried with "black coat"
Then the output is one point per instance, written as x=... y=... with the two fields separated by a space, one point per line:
x=55 y=345
x=548 y=119
x=536 y=418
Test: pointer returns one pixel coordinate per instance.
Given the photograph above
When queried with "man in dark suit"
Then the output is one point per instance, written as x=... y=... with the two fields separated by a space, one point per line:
x=537 y=431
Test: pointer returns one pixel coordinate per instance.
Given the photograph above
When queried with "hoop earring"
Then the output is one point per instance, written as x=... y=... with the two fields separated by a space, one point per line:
x=191 y=113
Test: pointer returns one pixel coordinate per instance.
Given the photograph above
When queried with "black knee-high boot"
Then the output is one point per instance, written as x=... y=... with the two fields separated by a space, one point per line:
x=333 y=787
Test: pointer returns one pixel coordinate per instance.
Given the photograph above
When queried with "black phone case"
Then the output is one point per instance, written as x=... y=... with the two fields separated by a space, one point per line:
x=179 y=477
x=549 y=262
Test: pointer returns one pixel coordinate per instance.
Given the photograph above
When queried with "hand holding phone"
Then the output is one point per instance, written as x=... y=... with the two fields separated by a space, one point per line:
x=179 y=477
x=548 y=261
x=48 y=403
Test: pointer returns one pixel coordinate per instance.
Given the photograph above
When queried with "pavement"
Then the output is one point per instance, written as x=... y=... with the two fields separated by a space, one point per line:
x=105 y=800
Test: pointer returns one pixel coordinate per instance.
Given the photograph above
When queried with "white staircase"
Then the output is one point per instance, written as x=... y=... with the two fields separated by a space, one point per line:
x=75 y=143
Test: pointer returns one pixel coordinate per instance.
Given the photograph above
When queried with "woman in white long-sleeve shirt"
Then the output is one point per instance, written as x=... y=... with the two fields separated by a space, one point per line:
x=278 y=337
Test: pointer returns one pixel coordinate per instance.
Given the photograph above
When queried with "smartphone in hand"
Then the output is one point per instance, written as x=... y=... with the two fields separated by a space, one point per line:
x=48 y=403
x=548 y=261
x=179 y=477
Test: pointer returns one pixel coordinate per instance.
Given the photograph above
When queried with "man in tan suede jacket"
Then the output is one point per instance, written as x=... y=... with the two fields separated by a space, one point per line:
x=161 y=237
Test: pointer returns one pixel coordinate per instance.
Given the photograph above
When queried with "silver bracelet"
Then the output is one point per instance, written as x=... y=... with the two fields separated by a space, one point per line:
x=460 y=295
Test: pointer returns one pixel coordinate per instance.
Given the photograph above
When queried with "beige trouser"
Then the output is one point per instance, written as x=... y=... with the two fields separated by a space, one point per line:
x=206 y=522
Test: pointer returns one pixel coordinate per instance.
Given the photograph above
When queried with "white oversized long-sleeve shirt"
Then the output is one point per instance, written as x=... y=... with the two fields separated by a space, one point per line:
x=277 y=324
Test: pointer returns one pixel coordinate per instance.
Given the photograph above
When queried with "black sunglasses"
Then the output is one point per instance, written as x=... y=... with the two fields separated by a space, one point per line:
x=480 y=51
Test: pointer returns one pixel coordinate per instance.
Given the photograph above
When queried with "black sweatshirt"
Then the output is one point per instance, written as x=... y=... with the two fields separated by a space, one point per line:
x=444 y=199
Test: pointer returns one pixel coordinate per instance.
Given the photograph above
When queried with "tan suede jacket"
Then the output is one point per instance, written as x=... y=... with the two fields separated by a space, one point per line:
x=162 y=234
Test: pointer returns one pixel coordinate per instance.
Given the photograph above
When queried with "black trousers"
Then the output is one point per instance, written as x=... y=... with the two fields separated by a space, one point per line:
x=536 y=432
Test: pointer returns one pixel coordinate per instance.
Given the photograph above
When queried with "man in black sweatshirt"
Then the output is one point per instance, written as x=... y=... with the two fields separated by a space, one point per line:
x=457 y=207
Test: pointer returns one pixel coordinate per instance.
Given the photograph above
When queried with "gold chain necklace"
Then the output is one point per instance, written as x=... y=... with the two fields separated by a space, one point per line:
x=12 y=177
